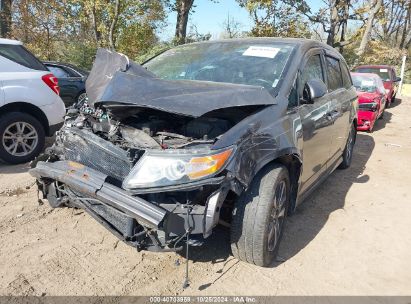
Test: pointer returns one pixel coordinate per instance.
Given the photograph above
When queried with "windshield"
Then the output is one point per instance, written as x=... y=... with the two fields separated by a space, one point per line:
x=231 y=62
x=367 y=84
x=382 y=72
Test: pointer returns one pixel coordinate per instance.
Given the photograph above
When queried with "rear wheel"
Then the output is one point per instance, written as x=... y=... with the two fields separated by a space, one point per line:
x=21 y=137
x=259 y=216
x=349 y=148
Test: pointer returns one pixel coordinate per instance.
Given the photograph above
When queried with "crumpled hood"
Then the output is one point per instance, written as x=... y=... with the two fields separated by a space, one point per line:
x=364 y=97
x=116 y=81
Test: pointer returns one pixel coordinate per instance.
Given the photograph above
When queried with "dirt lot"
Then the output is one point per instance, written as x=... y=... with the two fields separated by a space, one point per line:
x=352 y=237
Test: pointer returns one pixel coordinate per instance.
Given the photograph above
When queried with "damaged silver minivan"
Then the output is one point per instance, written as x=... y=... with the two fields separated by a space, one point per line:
x=236 y=132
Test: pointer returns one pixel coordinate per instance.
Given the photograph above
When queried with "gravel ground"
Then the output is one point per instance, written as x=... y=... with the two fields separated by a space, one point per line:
x=351 y=237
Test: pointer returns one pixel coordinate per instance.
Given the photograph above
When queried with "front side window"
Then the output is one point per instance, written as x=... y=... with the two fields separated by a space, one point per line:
x=20 y=55
x=312 y=70
x=260 y=64
x=293 y=97
x=333 y=73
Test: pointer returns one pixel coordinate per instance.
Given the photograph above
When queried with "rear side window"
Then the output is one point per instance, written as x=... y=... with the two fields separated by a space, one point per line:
x=345 y=76
x=19 y=54
x=58 y=72
x=333 y=73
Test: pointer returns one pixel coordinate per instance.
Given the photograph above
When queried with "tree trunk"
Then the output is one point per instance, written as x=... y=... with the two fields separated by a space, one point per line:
x=5 y=18
x=344 y=25
x=112 y=37
x=368 y=28
x=97 y=34
x=406 y=28
x=333 y=22
x=183 y=8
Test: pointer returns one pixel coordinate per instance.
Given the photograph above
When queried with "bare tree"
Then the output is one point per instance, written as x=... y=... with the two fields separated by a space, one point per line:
x=232 y=28
x=333 y=18
x=374 y=9
x=395 y=22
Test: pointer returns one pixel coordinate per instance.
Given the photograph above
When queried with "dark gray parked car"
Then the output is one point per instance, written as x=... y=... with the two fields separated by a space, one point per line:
x=237 y=132
x=72 y=81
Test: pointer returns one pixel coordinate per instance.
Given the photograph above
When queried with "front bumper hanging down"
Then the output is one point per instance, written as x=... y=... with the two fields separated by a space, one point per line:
x=92 y=184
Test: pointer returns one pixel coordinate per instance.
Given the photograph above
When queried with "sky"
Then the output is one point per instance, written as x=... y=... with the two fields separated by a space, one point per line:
x=209 y=17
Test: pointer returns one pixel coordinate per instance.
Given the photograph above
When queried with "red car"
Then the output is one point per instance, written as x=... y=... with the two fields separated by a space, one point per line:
x=387 y=74
x=371 y=99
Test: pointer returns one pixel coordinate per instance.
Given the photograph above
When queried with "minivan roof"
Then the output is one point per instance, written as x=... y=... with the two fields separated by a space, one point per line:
x=302 y=43
x=10 y=41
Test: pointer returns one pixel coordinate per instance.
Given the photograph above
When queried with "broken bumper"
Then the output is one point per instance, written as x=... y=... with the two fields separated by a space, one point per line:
x=92 y=184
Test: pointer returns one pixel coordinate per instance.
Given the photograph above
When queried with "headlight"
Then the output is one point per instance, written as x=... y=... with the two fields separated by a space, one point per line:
x=165 y=168
x=368 y=106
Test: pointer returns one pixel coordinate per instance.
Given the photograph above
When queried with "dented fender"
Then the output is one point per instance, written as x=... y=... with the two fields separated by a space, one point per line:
x=262 y=138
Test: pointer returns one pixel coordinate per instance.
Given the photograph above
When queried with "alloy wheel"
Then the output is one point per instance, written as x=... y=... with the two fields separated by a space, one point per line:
x=20 y=139
x=277 y=215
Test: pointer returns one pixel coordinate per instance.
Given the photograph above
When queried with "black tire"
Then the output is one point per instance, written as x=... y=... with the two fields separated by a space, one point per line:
x=382 y=114
x=253 y=216
x=36 y=146
x=349 y=148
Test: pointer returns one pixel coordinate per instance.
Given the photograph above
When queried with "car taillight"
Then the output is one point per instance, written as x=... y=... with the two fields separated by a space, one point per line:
x=51 y=82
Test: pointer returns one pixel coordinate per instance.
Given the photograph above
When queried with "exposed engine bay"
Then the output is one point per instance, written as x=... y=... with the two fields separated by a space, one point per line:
x=109 y=147
x=125 y=139
x=153 y=129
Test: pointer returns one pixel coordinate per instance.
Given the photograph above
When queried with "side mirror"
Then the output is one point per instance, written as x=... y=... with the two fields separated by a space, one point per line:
x=313 y=89
x=398 y=79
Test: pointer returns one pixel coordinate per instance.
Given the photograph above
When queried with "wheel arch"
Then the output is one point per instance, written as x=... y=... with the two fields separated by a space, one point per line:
x=30 y=109
x=293 y=162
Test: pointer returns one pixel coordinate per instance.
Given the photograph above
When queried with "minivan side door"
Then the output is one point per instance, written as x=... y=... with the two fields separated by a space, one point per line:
x=341 y=95
x=315 y=125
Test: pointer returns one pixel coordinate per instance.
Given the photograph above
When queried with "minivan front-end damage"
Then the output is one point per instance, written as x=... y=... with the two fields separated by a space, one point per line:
x=148 y=192
x=148 y=170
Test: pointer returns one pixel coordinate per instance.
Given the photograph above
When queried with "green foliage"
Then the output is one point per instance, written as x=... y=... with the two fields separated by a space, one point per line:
x=379 y=52
x=72 y=30
x=273 y=18
x=154 y=51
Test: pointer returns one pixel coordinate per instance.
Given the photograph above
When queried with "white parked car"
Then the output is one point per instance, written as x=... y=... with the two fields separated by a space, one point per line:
x=30 y=105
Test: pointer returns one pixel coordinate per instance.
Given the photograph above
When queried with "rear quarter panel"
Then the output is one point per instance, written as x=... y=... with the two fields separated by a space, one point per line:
x=21 y=84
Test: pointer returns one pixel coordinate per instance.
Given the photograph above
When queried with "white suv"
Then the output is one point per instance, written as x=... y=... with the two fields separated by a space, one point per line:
x=30 y=106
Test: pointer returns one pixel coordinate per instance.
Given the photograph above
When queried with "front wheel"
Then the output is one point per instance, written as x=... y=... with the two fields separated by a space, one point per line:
x=349 y=148
x=259 y=216
x=81 y=99
x=21 y=137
